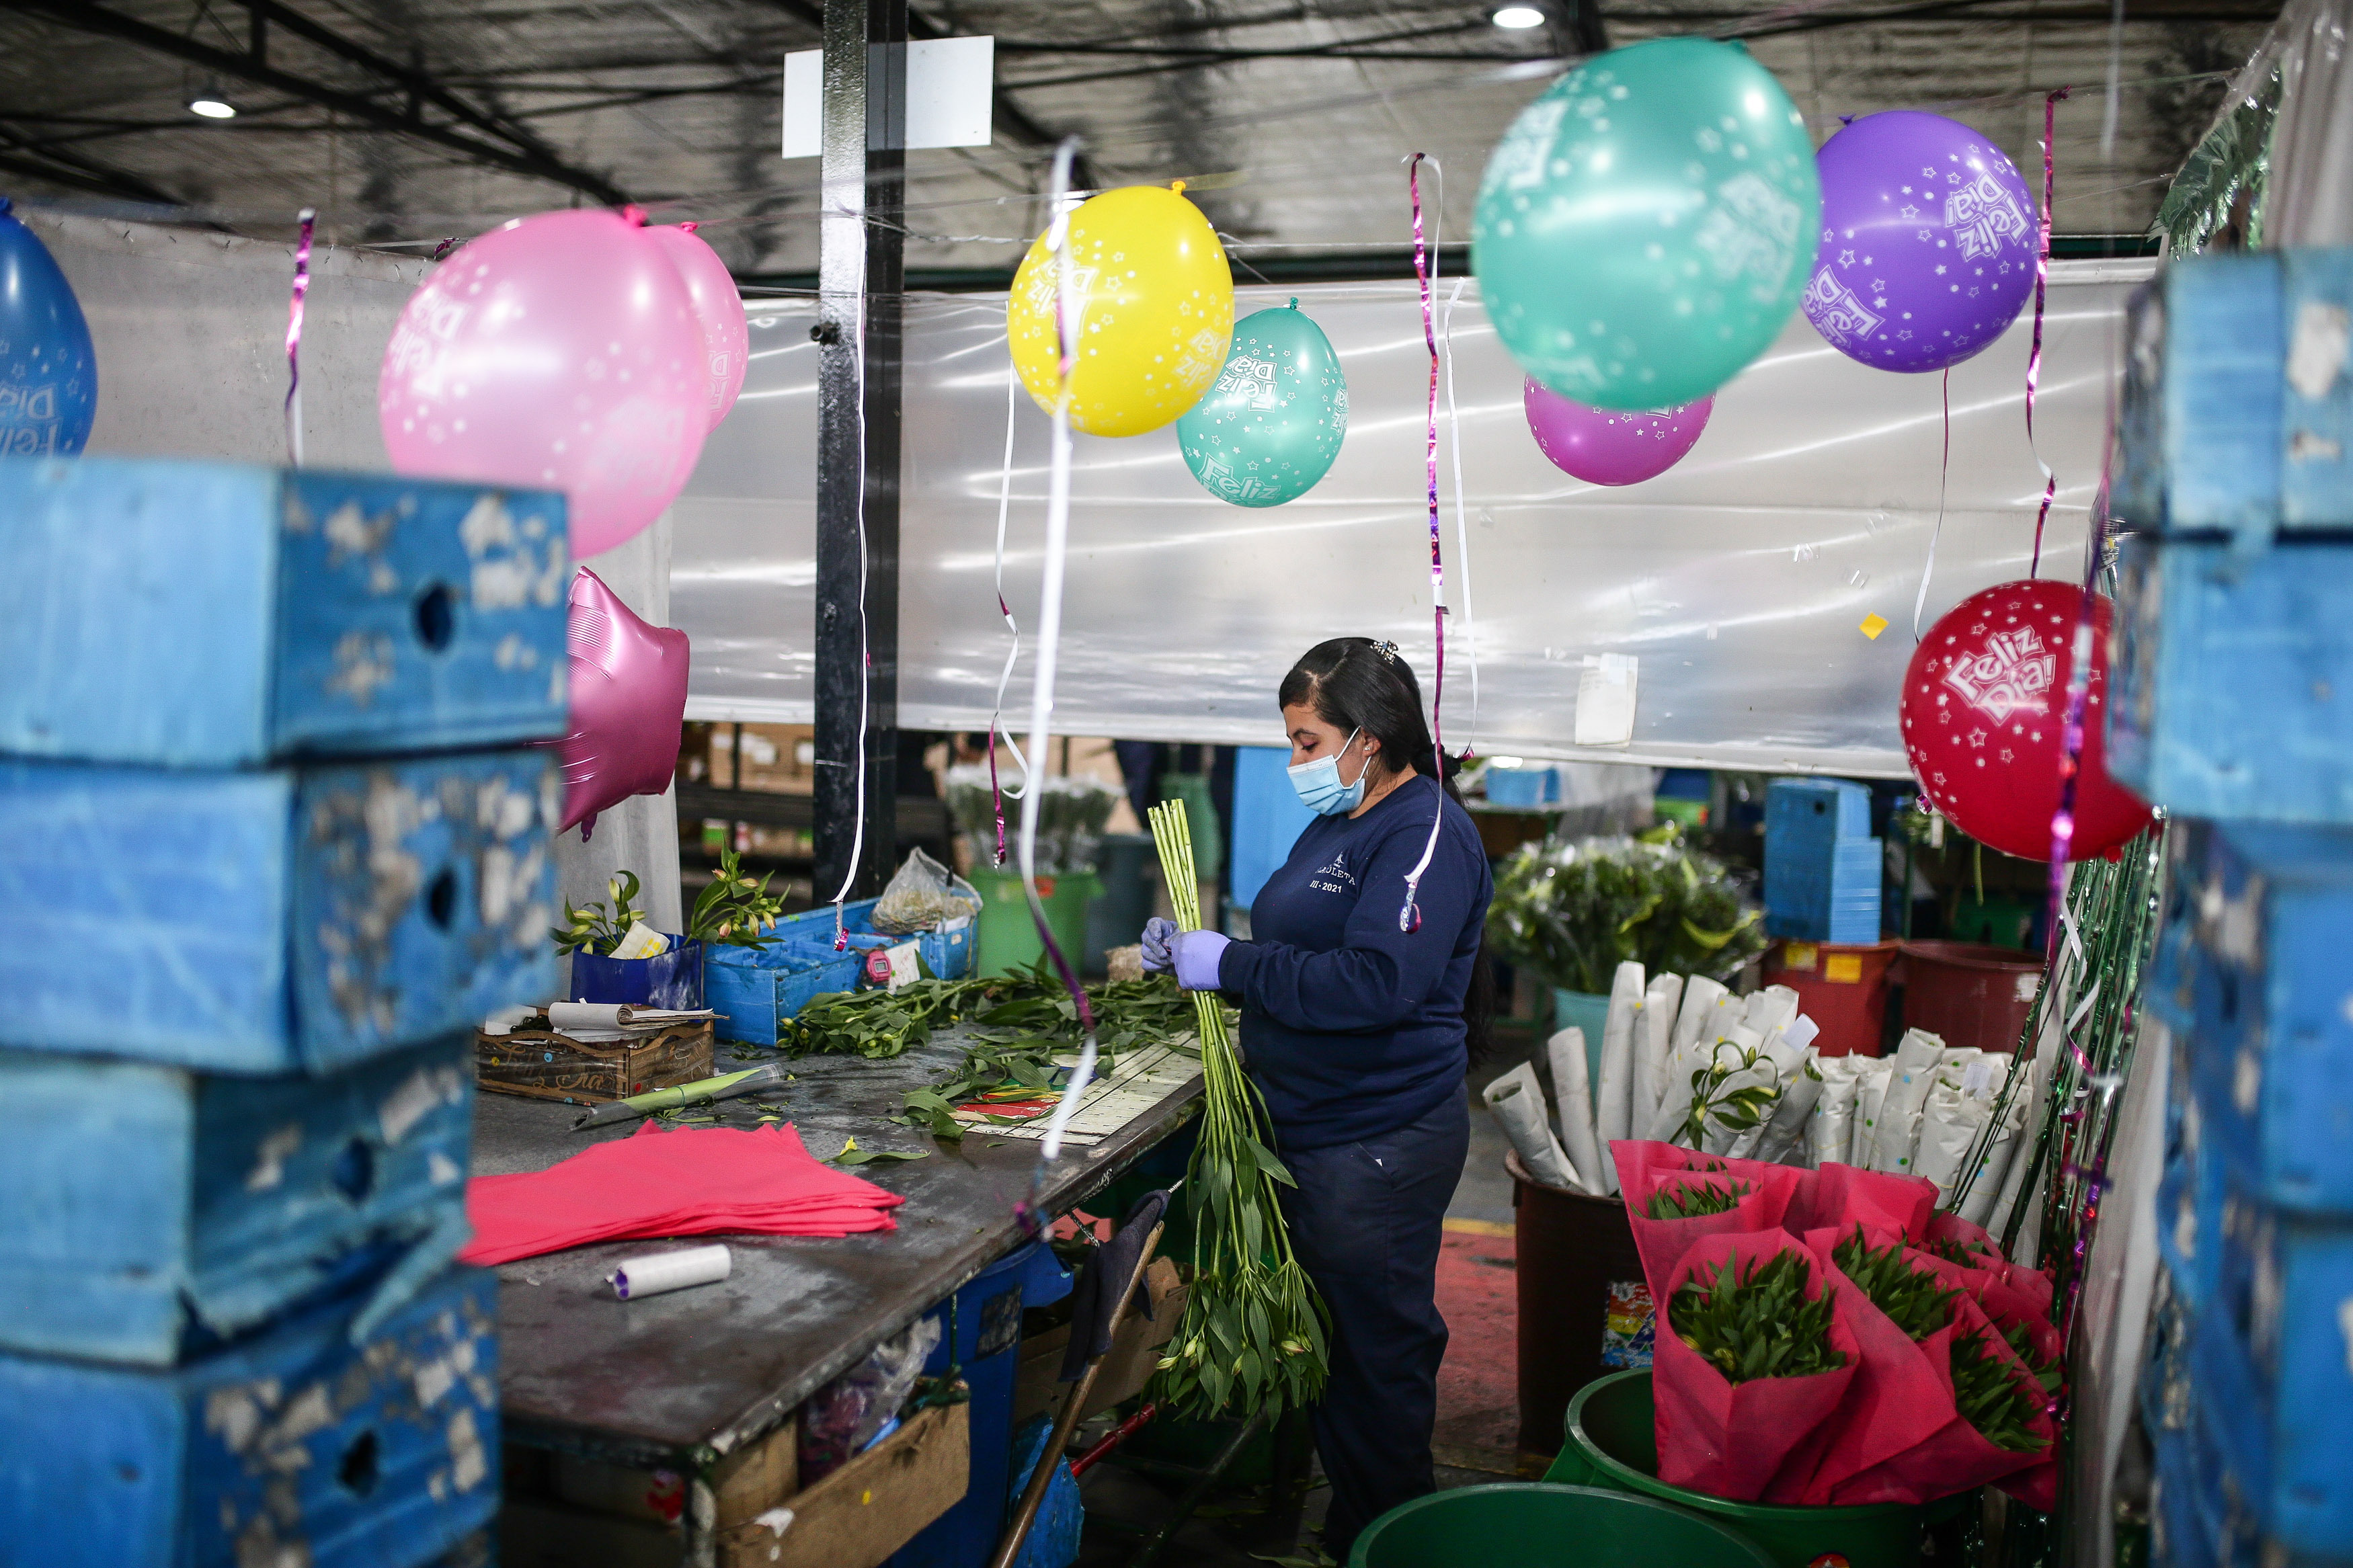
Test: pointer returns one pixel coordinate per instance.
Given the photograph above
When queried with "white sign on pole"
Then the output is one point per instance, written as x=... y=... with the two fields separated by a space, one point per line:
x=951 y=90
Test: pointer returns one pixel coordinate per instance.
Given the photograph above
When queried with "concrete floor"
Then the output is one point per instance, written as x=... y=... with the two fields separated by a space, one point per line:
x=1476 y=1412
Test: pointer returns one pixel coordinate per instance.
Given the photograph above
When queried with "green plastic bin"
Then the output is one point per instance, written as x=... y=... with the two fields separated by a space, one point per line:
x=1613 y=1443
x=1008 y=937
x=1536 y=1524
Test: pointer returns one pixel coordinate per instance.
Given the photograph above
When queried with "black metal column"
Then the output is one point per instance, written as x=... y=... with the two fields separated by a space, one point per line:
x=861 y=271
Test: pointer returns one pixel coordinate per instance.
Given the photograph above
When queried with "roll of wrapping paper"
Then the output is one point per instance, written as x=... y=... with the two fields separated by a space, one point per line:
x=660 y=1271
x=587 y=1014
x=702 y=1091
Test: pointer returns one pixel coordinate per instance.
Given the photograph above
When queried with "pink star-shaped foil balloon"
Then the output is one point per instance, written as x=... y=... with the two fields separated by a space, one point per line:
x=629 y=700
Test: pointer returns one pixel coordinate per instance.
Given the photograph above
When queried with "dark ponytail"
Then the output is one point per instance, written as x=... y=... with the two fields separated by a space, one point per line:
x=1355 y=683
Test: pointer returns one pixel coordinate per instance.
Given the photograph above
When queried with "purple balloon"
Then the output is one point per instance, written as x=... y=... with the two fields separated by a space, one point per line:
x=1607 y=445
x=1929 y=242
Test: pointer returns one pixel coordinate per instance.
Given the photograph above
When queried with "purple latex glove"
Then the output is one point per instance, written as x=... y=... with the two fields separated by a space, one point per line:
x=1197 y=953
x=1156 y=932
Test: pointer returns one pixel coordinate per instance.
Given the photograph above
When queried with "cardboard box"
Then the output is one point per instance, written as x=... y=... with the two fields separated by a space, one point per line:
x=778 y=758
x=861 y=1513
x=1126 y=1367
x=748 y=1483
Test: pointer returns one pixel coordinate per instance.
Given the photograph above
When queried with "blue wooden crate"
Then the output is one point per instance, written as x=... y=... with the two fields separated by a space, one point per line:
x=2236 y=414
x=755 y=990
x=272 y=921
x=153 y=1213
x=202 y=615
x=295 y=1448
x=2251 y=975
x=2232 y=678
x=2271 y=1363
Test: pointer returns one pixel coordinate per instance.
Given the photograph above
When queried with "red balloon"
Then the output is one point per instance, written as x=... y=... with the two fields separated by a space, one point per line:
x=1985 y=709
x=629 y=700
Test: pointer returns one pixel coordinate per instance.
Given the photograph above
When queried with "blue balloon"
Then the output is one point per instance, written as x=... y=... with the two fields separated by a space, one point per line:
x=49 y=371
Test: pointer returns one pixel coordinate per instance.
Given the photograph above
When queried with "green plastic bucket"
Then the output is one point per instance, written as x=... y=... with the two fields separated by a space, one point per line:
x=1008 y=937
x=1613 y=1443
x=1536 y=1524
x=1590 y=1011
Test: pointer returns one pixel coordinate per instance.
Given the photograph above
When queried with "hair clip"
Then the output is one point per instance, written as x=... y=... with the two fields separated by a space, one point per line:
x=1387 y=650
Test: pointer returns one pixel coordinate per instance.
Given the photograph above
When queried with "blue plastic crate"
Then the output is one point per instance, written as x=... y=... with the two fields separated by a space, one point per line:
x=280 y=920
x=155 y=1212
x=755 y=990
x=2252 y=977
x=2236 y=414
x=296 y=1447
x=2274 y=1386
x=214 y=614
x=1522 y=788
x=2232 y=678
x=1823 y=869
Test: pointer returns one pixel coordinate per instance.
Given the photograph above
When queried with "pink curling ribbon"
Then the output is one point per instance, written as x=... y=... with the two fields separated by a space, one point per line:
x=2035 y=353
x=1425 y=269
x=294 y=409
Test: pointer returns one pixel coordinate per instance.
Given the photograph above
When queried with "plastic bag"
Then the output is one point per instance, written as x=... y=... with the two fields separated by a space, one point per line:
x=846 y=1414
x=924 y=895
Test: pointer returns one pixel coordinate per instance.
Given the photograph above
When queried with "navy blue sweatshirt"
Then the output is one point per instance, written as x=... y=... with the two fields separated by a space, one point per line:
x=1352 y=1027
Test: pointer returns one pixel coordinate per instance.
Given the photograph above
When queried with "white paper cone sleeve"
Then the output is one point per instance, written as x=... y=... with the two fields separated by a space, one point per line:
x=1654 y=1045
x=1518 y=1102
x=1986 y=1191
x=659 y=1271
x=1573 y=1091
x=1831 y=1127
x=1867 y=1104
x=1947 y=1128
x=1798 y=1097
x=1613 y=1096
x=2039 y=1081
x=1700 y=997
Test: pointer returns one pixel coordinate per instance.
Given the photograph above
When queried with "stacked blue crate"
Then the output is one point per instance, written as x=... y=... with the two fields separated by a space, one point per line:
x=2235 y=477
x=1822 y=867
x=276 y=829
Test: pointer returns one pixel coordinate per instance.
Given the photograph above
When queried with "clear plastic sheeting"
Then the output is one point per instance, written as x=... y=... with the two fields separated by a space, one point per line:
x=1740 y=582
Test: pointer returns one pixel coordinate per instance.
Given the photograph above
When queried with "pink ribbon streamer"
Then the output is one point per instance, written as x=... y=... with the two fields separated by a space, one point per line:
x=2035 y=353
x=293 y=409
x=1425 y=266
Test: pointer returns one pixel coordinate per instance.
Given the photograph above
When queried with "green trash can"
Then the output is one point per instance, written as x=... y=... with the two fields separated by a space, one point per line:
x=1613 y=1443
x=1008 y=937
x=1536 y=1524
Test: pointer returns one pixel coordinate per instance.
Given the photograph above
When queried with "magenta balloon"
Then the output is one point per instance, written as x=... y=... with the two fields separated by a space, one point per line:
x=1929 y=242
x=629 y=700
x=556 y=352
x=1607 y=447
x=718 y=308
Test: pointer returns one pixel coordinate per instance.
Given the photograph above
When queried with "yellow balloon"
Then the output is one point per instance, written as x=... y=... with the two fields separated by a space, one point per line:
x=1153 y=303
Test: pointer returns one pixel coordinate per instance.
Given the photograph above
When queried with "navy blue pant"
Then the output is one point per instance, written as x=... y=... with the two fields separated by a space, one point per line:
x=1366 y=1220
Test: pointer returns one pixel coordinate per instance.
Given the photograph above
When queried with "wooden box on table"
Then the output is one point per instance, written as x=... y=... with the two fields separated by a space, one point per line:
x=545 y=1065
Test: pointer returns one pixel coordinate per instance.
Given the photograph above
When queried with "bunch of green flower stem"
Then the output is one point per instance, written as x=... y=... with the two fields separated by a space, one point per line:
x=1254 y=1337
x=1759 y=1324
x=1991 y=1397
x=1692 y=1201
x=1918 y=1302
x=1572 y=910
x=2046 y=1371
x=1733 y=1109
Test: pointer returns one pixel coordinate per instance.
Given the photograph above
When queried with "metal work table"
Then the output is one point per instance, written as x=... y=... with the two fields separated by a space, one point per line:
x=677 y=1381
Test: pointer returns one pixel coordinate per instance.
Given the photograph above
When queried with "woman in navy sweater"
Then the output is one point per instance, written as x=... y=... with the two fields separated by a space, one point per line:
x=1360 y=1005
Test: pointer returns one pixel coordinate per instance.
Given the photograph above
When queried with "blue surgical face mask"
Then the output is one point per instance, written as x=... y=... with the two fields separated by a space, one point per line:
x=1319 y=786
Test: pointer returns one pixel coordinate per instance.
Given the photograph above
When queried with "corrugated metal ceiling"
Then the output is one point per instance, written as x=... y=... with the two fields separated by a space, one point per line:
x=406 y=121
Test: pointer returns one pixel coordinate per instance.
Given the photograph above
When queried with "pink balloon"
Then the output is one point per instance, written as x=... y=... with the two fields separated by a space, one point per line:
x=718 y=308
x=556 y=352
x=1605 y=447
x=629 y=700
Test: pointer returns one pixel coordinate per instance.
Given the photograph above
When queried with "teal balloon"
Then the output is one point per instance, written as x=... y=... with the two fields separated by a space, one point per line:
x=1270 y=426
x=1645 y=228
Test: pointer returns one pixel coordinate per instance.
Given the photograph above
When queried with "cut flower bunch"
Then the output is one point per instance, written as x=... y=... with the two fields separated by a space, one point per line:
x=1254 y=1335
x=1759 y=1324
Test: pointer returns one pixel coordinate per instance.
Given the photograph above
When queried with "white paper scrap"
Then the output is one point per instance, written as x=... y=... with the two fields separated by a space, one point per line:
x=1605 y=699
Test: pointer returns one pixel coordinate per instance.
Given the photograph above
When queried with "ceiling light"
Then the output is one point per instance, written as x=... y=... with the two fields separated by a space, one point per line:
x=1519 y=17
x=211 y=105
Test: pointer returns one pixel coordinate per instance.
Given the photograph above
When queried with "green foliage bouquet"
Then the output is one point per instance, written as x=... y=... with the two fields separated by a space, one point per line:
x=1573 y=910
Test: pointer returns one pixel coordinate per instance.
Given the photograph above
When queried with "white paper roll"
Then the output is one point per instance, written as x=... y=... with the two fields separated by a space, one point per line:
x=1701 y=995
x=1898 y=1130
x=662 y=1271
x=587 y=1014
x=1613 y=1100
x=1948 y=1127
x=1800 y=1094
x=1573 y=1095
x=1831 y=1128
x=1767 y=1010
x=1868 y=1101
x=1654 y=1045
x=1518 y=1102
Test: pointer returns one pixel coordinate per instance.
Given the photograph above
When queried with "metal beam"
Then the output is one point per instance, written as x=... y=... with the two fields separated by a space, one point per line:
x=861 y=271
x=76 y=172
x=84 y=16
